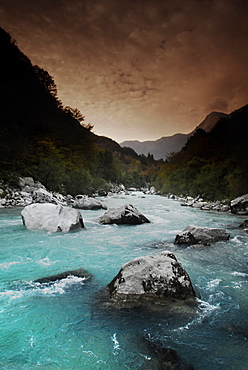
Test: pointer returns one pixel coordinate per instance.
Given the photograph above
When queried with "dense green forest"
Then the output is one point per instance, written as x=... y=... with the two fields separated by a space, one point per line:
x=39 y=137
x=42 y=138
x=213 y=165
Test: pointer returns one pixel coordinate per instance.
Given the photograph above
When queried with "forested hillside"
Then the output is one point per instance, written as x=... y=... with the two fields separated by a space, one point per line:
x=40 y=137
x=213 y=164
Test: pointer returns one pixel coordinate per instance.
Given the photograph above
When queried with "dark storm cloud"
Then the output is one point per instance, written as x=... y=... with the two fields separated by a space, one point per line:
x=138 y=69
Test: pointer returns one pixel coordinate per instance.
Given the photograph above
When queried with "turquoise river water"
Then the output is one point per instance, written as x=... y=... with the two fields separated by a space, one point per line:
x=63 y=326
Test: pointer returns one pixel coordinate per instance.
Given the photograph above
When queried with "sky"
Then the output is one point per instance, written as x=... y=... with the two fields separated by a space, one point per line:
x=138 y=69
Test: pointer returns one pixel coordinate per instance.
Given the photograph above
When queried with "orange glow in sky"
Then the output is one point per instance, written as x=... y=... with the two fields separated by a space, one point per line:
x=138 y=69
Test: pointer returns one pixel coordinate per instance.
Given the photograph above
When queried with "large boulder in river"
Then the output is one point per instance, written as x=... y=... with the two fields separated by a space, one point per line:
x=151 y=280
x=201 y=235
x=51 y=217
x=86 y=203
x=125 y=215
x=239 y=205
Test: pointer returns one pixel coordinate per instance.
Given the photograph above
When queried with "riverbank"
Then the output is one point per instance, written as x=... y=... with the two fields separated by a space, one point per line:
x=200 y=203
x=26 y=191
x=238 y=206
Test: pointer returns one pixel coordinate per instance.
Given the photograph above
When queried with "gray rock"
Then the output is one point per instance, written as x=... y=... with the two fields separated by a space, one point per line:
x=198 y=204
x=58 y=198
x=164 y=357
x=125 y=215
x=28 y=192
x=225 y=208
x=221 y=206
x=244 y=225
x=151 y=279
x=21 y=182
x=51 y=217
x=239 y=206
x=79 y=273
x=25 y=199
x=28 y=181
x=39 y=185
x=87 y=203
x=201 y=235
x=207 y=207
x=29 y=189
x=153 y=190
x=42 y=196
x=69 y=199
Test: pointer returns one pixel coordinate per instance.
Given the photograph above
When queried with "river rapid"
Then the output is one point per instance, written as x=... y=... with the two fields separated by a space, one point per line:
x=63 y=326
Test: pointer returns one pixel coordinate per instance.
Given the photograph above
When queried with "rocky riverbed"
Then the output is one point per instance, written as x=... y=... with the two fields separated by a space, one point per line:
x=26 y=191
x=238 y=206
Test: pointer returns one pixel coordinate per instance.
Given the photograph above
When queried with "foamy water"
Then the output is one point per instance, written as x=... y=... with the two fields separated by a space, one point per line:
x=62 y=325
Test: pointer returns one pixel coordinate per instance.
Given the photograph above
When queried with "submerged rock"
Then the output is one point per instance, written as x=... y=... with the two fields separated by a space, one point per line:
x=201 y=235
x=84 y=202
x=151 y=280
x=79 y=273
x=51 y=217
x=125 y=215
x=239 y=206
x=166 y=357
x=244 y=226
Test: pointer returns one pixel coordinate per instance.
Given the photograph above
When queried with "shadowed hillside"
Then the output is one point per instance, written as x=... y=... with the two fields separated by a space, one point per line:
x=213 y=164
x=39 y=137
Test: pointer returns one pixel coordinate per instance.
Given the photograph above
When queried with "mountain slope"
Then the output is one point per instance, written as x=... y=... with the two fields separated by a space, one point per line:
x=159 y=148
x=168 y=144
x=213 y=164
x=39 y=137
x=210 y=121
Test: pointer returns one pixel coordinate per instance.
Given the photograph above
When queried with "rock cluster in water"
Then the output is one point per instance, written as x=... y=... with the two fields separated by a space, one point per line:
x=150 y=279
x=238 y=206
x=200 y=203
x=26 y=192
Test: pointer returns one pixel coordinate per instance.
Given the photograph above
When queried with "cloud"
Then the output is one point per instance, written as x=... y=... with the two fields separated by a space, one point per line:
x=138 y=69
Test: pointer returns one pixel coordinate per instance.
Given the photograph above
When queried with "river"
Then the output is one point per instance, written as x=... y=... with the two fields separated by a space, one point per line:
x=62 y=326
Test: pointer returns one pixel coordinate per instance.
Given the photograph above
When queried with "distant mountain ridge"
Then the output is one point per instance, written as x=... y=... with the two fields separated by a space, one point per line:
x=168 y=144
